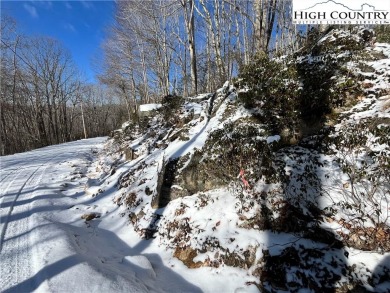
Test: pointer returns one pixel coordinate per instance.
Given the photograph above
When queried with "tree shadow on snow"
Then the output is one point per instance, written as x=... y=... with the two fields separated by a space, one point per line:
x=317 y=260
x=102 y=257
x=96 y=254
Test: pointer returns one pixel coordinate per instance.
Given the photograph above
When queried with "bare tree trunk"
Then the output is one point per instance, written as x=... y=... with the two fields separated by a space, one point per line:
x=189 y=15
x=246 y=44
x=214 y=37
x=82 y=118
x=270 y=23
x=210 y=85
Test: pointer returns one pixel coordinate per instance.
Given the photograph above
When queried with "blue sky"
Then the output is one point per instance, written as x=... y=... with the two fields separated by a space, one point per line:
x=79 y=25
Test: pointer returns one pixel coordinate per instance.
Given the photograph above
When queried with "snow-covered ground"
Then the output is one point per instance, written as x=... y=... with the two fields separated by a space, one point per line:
x=46 y=246
x=307 y=232
x=83 y=216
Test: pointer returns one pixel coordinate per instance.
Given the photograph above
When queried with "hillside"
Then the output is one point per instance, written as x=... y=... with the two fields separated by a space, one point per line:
x=236 y=190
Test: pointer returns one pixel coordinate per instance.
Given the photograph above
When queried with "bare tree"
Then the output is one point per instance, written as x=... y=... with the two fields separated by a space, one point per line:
x=156 y=46
x=189 y=16
x=40 y=95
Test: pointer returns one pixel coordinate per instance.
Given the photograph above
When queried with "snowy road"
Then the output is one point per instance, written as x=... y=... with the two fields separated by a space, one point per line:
x=45 y=244
x=28 y=184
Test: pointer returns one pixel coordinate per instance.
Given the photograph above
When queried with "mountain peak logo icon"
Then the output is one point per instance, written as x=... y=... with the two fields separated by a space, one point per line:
x=334 y=4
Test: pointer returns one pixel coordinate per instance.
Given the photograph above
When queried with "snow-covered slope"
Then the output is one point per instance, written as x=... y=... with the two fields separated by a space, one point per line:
x=58 y=237
x=205 y=198
x=219 y=191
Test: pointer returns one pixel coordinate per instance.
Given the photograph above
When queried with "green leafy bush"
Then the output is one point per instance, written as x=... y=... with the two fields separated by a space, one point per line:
x=382 y=33
x=239 y=145
x=170 y=105
x=318 y=84
x=271 y=86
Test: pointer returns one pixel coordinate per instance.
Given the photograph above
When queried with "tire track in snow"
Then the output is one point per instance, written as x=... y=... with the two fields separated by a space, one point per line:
x=4 y=219
x=9 y=183
x=12 y=171
x=3 y=179
x=13 y=253
x=21 y=184
x=4 y=216
x=19 y=266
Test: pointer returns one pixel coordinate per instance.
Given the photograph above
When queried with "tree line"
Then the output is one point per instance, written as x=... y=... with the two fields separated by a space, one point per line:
x=44 y=100
x=184 y=47
x=152 y=49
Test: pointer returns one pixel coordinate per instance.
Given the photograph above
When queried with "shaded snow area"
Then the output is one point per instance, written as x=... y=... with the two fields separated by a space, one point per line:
x=208 y=199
